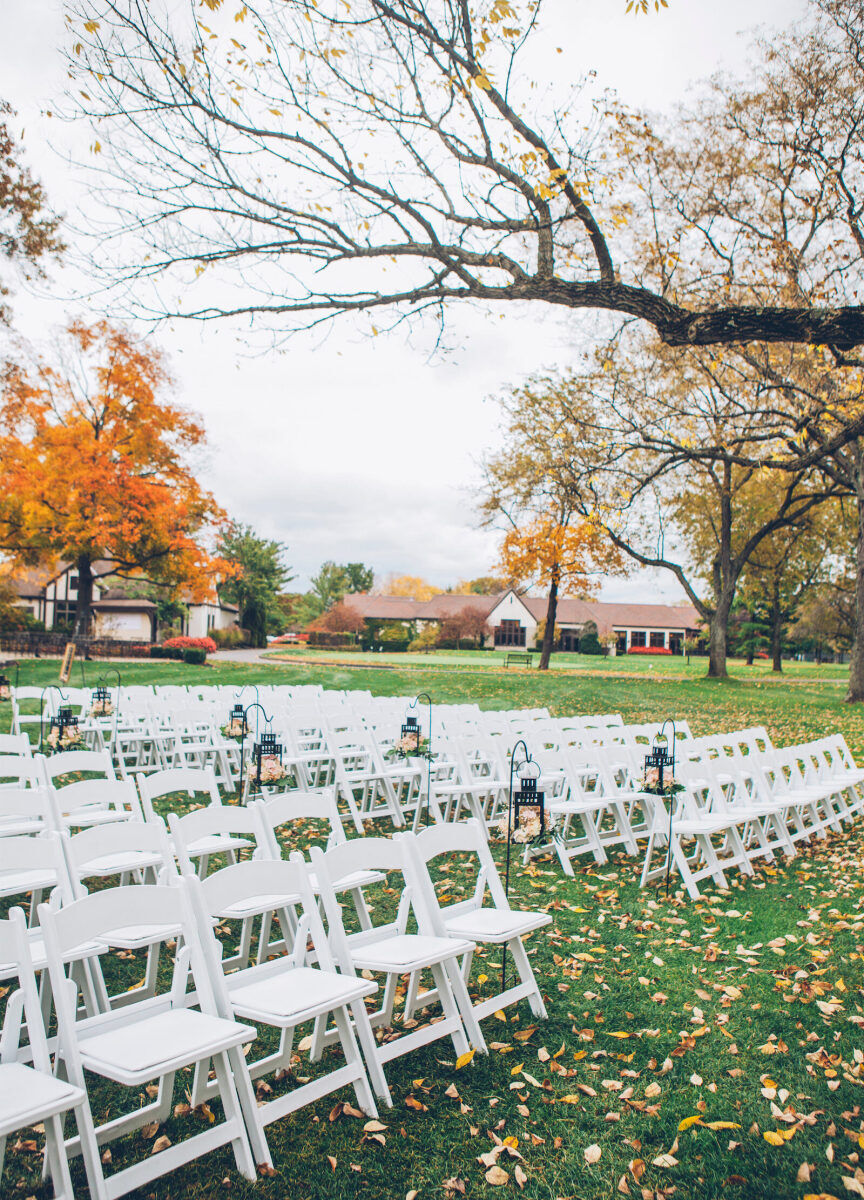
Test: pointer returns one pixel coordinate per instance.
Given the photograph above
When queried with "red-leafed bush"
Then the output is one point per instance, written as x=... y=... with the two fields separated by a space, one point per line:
x=649 y=650
x=189 y=643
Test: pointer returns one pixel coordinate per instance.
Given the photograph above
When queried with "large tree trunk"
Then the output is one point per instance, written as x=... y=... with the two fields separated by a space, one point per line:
x=776 y=629
x=551 y=613
x=717 y=630
x=856 y=660
x=85 y=597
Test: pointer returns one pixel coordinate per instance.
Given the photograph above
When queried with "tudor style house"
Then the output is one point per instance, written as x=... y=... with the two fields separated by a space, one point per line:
x=51 y=597
x=513 y=619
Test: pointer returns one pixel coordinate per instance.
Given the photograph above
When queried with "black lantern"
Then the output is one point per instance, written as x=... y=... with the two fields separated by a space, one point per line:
x=237 y=727
x=411 y=731
x=660 y=758
x=5 y=688
x=267 y=756
x=527 y=796
x=101 y=695
x=65 y=724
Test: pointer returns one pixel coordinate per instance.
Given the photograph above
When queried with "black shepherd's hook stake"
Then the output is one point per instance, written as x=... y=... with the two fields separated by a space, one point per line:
x=267 y=721
x=51 y=687
x=513 y=767
x=428 y=700
x=101 y=679
x=661 y=734
x=245 y=688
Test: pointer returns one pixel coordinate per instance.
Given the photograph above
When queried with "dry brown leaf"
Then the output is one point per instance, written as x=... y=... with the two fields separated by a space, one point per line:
x=497 y=1176
x=592 y=1153
x=161 y=1143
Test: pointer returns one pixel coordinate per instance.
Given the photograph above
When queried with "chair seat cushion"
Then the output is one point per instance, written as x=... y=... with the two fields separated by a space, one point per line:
x=148 y=1047
x=217 y=843
x=494 y=924
x=279 y=998
x=407 y=951
x=27 y=1096
x=14 y=882
x=251 y=906
x=116 y=864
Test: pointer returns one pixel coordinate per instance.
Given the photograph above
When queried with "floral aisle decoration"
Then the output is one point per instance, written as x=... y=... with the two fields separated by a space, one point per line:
x=5 y=689
x=63 y=731
x=236 y=727
x=659 y=778
x=100 y=705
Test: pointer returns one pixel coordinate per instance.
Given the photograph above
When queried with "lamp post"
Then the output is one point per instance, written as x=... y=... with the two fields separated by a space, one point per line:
x=525 y=796
x=661 y=758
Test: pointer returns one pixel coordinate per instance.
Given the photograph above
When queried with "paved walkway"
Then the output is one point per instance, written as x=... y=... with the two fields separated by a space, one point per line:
x=241 y=656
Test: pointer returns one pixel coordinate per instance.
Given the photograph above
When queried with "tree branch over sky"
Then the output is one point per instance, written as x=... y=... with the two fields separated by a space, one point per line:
x=299 y=160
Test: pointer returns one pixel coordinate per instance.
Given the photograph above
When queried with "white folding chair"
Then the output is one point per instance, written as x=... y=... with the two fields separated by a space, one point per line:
x=146 y=1041
x=25 y=811
x=30 y=1095
x=74 y=762
x=285 y=992
x=390 y=950
x=494 y=924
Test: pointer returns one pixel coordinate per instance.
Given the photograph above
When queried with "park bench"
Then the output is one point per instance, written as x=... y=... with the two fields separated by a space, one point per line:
x=519 y=660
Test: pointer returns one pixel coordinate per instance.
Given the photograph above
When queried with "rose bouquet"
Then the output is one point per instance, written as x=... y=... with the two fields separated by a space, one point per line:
x=5 y=691
x=67 y=738
x=532 y=825
x=235 y=728
x=101 y=708
x=409 y=746
x=271 y=771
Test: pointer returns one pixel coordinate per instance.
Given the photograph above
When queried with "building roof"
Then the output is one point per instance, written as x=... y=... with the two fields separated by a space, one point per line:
x=571 y=611
x=608 y=615
x=127 y=603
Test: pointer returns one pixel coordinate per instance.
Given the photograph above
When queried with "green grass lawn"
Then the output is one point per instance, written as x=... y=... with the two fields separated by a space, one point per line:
x=740 y=1015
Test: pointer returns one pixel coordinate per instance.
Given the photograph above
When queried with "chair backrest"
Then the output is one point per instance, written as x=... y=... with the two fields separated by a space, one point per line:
x=104 y=843
x=22 y=857
x=284 y=808
x=15 y=963
x=18 y=770
x=31 y=805
x=215 y=819
x=191 y=780
x=275 y=878
x=15 y=743
x=462 y=837
x=73 y=762
x=98 y=917
x=94 y=795
x=386 y=855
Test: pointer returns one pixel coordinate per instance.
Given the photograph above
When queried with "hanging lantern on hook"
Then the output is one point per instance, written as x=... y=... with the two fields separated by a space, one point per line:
x=267 y=759
x=63 y=731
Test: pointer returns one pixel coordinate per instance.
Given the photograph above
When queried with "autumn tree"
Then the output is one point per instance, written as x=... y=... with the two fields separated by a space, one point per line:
x=95 y=466
x=557 y=556
x=341 y=618
x=411 y=586
x=483 y=585
x=258 y=574
x=411 y=131
x=29 y=231
x=466 y=624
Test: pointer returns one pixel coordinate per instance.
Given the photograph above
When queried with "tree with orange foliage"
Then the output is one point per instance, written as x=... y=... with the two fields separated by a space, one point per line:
x=94 y=466
x=553 y=555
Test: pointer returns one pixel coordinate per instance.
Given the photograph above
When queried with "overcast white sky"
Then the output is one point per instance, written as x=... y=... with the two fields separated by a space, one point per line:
x=364 y=450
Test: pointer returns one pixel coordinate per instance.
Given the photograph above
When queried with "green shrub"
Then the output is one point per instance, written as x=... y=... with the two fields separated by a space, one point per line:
x=227 y=639
x=194 y=656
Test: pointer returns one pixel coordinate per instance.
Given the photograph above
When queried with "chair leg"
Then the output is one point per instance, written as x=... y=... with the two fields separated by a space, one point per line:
x=526 y=974
x=354 y=1059
x=234 y=1106
x=370 y=1053
x=55 y=1159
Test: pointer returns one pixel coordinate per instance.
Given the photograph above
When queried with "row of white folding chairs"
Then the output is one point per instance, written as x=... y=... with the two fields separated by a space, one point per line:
x=309 y=982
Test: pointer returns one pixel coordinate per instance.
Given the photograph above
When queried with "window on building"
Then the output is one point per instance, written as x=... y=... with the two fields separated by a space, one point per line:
x=73 y=583
x=637 y=637
x=658 y=640
x=64 y=612
x=621 y=644
x=510 y=633
x=675 y=640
